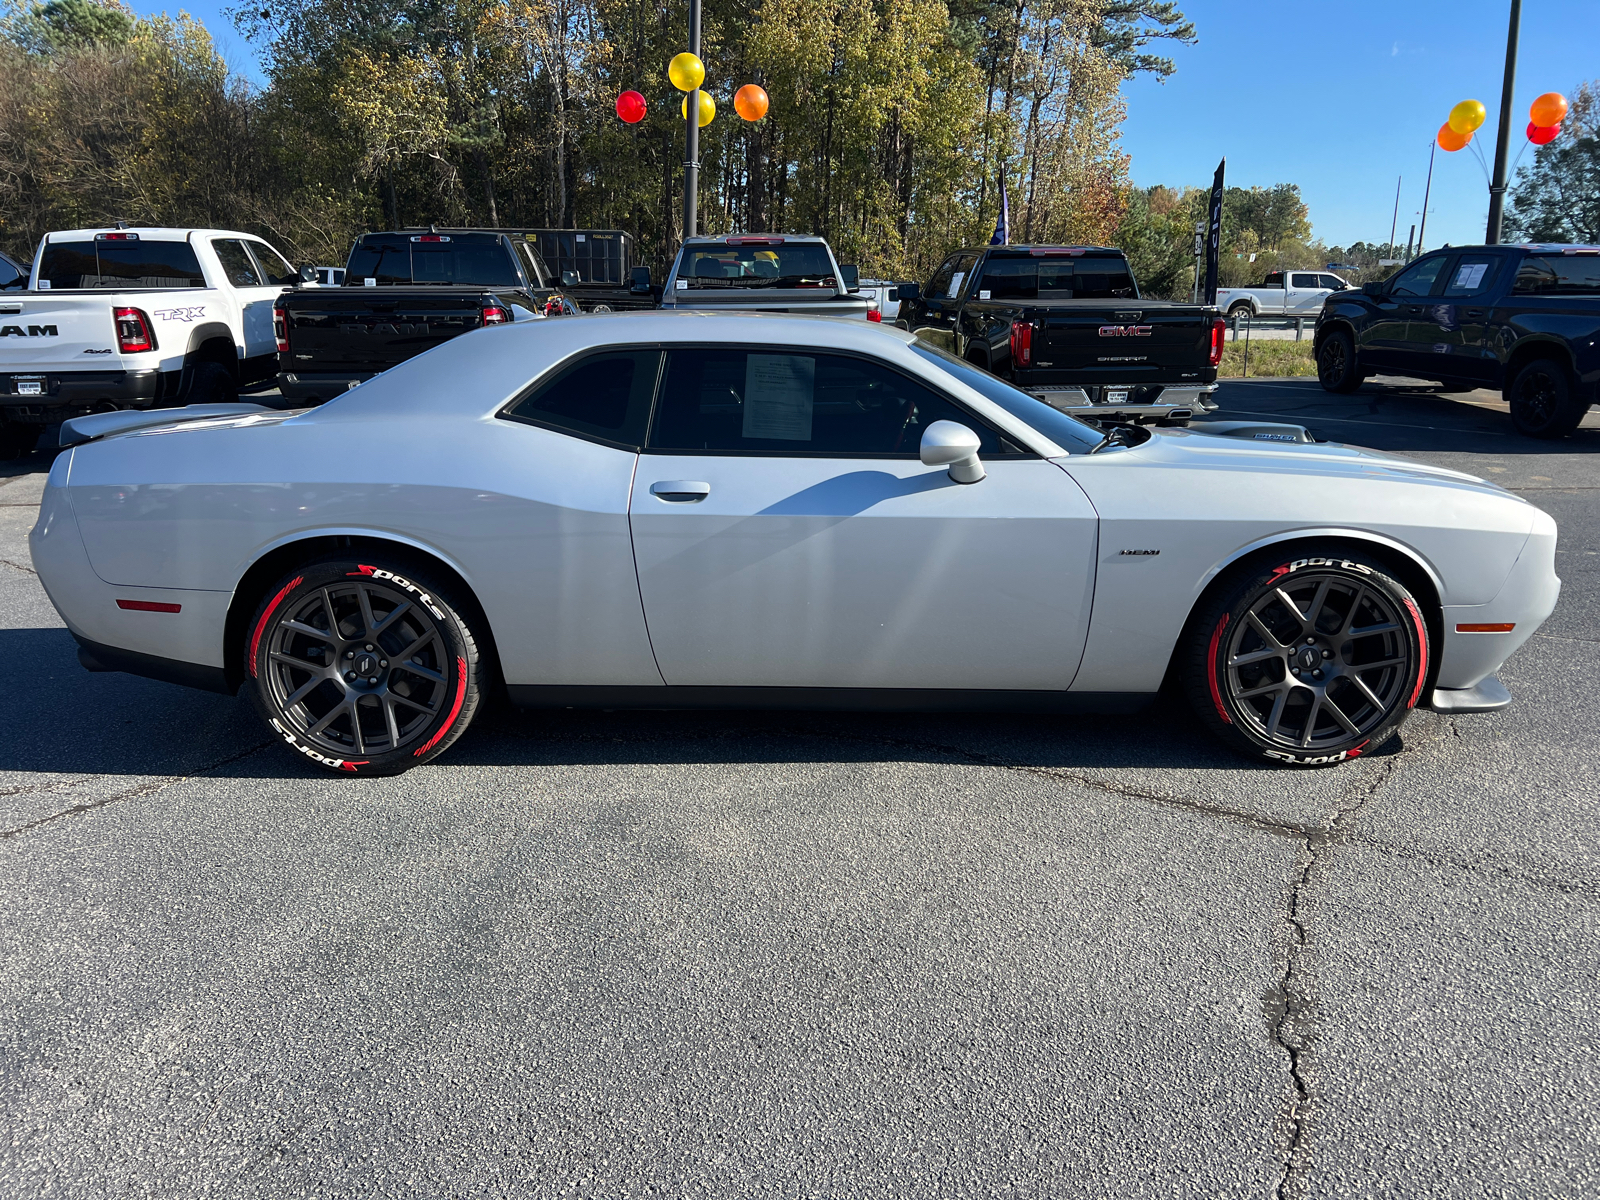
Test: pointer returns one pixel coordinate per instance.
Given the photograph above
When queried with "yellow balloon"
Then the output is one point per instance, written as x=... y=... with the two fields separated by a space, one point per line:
x=708 y=109
x=1467 y=116
x=686 y=72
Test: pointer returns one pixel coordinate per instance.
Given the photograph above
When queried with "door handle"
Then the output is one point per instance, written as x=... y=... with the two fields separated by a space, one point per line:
x=1473 y=314
x=680 y=491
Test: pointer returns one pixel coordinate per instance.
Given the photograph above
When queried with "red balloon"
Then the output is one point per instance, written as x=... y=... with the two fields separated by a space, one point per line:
x=1540 y=134
x=631 y=107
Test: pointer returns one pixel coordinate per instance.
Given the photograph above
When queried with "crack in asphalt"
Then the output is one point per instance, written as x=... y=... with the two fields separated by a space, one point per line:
x=143 y=789
x=7 y=562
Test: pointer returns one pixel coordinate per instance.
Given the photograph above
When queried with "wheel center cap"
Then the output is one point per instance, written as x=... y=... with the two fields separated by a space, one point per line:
x=1310 y=657
x=366 y=664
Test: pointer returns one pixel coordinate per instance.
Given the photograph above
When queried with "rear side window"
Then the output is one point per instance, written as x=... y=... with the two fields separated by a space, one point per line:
x=1472 y=274
x=1305 y=281
x=463 y=259
x=10 y=276
x=141 y=264
x=273 y=267
x=767 y=402
x=1559 y=275
x=605 y=398
x=238 y=268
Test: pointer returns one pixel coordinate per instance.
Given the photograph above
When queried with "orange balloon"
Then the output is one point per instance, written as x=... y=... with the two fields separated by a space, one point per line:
x=1548 y=109
x=1450 y=140
x=750 y=102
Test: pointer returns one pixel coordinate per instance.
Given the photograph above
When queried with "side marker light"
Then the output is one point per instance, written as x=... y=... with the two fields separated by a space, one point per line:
x=149 y=606
x=1507 y=627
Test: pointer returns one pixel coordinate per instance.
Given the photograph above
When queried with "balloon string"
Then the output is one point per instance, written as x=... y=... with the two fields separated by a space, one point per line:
x=1482 y=165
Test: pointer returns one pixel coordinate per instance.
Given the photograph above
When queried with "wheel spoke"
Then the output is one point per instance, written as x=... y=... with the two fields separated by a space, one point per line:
x=1277 y=713
x=333 y=617
x=1244 y=660
x=1338 y=715
x=412 y=668
x=1361 y=631
x=355 y=725
x=389 y=720
x=1266 y=634
x=389 y=620
x=1373 y=666
x=1355 y=607
x=410 y=703
x=346 y=705
x=1288 y=603
x=321 y=635
x=305 y=689
x=406 y=655
x=1317 y=601
x=1372 y=696
x=1311 y=718
x=367 y=620
x=1279 y=685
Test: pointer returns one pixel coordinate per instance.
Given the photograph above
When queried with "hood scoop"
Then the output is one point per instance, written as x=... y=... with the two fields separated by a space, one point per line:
x=1255 y=431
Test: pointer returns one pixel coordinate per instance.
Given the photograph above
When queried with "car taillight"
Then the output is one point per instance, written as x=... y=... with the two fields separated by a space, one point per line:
x=1022 y=344
x=280 y=328
x=493 y=314
x=874 y=315
x=133 y=331
x=1217 y=328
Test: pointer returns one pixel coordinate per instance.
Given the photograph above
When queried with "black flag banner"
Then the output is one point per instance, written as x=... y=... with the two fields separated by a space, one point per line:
x=1214 y=234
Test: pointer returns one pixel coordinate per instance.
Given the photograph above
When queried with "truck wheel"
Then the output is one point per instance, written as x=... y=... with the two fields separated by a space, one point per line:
x=1240 y=310
x=1337 y=368
x=366 y=666
x=17 y=441
x=210 y=383
x=1309 y=662
x=1542 y=399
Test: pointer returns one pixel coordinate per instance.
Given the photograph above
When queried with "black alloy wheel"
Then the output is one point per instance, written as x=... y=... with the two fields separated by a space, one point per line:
x=1543 y=401
x=365 y=667
x=17 y=441
x=1310 y=662
x=210 y=383
x=1337 y=369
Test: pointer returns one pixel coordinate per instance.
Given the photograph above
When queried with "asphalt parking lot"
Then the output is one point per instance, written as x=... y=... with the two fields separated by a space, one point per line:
x=799 y=955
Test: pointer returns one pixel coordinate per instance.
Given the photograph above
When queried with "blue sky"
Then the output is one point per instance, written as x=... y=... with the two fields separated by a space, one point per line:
x=1339 y=98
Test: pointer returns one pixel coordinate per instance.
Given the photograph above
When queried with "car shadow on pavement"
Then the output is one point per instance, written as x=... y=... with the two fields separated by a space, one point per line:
x=61 y=719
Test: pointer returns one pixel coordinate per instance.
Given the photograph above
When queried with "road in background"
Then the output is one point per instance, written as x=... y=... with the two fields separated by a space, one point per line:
x=768 y=954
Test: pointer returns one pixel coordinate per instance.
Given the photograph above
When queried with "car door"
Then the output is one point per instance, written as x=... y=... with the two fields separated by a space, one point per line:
x=1303 y=297
x=787 y=534
x=942 y=306
x=252 y=292
x=1448 y=334
x=1386 y=337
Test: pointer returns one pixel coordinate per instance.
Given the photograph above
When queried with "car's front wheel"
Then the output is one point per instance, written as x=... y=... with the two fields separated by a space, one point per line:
x=1543 y=401
x=1337 y=369
x=364 y=665
x=1308 y=661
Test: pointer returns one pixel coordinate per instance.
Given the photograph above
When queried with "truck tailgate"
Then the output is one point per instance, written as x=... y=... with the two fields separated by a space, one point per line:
x=371 y=329
x=1123 y=344
x=39 y=330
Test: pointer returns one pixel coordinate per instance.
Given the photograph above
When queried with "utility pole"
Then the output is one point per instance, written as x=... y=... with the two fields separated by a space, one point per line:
x=1395 y=223
x=691 y=156
x=1428 y=191
x=1497 y=189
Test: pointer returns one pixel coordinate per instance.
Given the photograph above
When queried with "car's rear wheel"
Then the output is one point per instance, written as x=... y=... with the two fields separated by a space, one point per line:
x=1544 y=404
x=17 y=441
x=365 y=666
x=1240 y=310
x=210 y=383
x=1310 y=661
x=1337 y=369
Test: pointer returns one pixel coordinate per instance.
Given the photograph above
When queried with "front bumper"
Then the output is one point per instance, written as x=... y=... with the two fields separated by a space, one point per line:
x=44 y=397
x=1141 y=403
x=314 y=387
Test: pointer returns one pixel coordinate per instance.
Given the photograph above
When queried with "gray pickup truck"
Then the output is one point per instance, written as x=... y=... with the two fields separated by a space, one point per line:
x=762 y=272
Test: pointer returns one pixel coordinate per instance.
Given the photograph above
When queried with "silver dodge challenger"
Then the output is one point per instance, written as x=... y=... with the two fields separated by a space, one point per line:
x=679 y=509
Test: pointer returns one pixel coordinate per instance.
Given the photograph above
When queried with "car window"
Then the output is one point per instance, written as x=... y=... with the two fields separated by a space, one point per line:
x=958 y=279
x=605 y=397
x=1472 y=274
x=1333 y=281
x=1304 y=281
x=102 y=263
x=757 y=265
x=273 y=267
x=939 y=285
x=238 y=268
x=1275 y=280
x=1071 y=434
x=1093 y=277
x=797 y=402
x=10 y=276
x=1559 y=275
x=475 y=259
x=1418 y=279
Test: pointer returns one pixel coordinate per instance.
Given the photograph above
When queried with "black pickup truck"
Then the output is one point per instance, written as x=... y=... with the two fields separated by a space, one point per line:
x=1067 y=324
x=403 y=293
x=1524 y=319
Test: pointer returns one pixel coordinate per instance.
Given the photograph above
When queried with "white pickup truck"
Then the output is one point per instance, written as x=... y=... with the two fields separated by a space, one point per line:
x=1281 y=294
x=135 y=318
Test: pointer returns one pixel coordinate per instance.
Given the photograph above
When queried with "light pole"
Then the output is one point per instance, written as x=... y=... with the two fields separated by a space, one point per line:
x=691 y=156
x=1497 y=189
x=1426 y=192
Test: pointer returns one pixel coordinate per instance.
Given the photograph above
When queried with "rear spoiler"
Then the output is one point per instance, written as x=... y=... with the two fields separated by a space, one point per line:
x=99 y=425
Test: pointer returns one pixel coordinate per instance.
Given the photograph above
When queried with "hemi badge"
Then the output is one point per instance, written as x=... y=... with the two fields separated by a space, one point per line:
x=148 y=606
x=1138 y=553
x=1507 y=627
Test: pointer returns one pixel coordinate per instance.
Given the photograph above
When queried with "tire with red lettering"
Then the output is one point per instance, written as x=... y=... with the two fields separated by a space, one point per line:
x=366 y=666
x=1308 y=661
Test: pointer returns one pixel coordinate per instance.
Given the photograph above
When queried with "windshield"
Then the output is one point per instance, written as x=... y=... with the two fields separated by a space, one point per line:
x=1071 y=434
x=476 y=260
x=766 y=264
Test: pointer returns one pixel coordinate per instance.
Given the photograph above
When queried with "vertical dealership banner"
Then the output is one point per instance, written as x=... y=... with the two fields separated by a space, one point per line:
x=1002 y=227
x=1214 y=234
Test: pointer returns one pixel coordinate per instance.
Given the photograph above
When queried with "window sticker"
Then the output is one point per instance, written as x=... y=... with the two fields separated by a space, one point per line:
x=779 y=392
x=955 y=285
x=984 y=294
x=1469 y=277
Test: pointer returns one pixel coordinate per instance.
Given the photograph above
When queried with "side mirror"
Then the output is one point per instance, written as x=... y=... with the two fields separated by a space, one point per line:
x=639 y=279
x=910 y=291
x=308 y=274
x=570 y=279
x=1376 y=288
x=946 y=443
x=851 y=274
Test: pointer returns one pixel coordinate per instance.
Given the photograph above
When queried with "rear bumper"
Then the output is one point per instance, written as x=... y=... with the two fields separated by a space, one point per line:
x=317 y=386
x=1155 y=403
x=61 y=390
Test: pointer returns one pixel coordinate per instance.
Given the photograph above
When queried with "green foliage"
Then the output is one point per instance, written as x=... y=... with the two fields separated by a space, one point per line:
x=1268 y=359
x=1557 y=197
x=74 y=25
